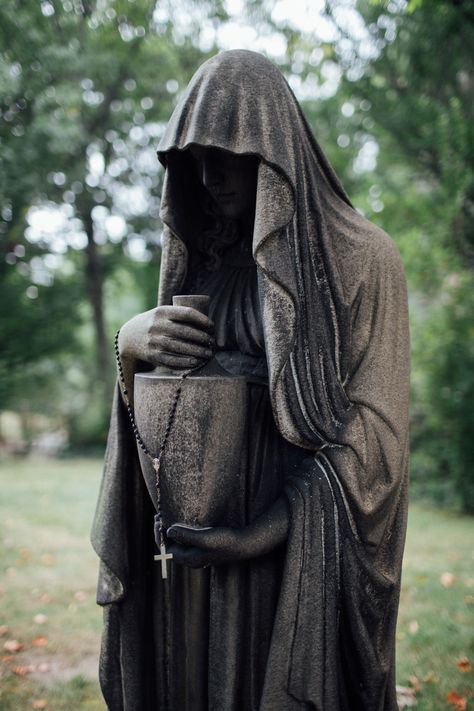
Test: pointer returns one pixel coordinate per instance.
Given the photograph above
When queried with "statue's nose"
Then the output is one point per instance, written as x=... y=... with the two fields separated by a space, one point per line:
x=212 y=177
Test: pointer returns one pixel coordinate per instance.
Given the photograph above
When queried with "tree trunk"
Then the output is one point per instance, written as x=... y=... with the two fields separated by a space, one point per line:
x=95 y=288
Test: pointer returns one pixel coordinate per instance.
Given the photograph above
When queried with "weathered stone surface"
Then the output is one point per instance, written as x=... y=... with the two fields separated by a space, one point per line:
x=305 y=289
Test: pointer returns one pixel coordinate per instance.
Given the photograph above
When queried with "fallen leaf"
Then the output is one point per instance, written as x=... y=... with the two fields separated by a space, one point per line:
x=39 y=704
x=464 y=665
x=23 y=670
x=405 y=697
x=47 y=559
x=13 y=646
x=447 y=579
x=459 y=703
x=39 y=641
x=44 y=667
x=469 y=600
x=416 y=684
x=40 y=619
x=45 y=598
x=431 y=678
x=3 y=630
x=413 y=627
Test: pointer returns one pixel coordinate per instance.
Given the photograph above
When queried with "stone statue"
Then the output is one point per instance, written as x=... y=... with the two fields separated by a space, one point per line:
x=294 y=605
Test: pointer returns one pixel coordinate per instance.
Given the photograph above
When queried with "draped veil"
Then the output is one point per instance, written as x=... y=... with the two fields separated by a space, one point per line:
x=333 y=300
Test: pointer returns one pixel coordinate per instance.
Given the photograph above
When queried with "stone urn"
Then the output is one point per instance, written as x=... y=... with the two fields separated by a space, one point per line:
x=201 y=468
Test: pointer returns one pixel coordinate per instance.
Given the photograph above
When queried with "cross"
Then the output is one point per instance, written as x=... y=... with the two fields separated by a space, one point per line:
x=163 y=556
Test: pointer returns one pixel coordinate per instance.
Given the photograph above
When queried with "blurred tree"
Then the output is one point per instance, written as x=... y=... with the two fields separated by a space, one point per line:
x=28 y=379
x=85 y=89
x=86 y=86
x=406 y=121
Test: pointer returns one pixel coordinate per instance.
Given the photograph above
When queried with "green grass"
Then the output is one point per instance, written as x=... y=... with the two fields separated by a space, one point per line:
x=436 y=621
x=48 y=568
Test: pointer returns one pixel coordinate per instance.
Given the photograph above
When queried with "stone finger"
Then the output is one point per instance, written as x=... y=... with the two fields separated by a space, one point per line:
x=185 y=332
x=188 y=315
x=180 y=347
x=176 y=361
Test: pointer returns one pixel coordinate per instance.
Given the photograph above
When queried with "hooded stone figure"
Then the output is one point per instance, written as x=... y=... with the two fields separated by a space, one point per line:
x=318 y=303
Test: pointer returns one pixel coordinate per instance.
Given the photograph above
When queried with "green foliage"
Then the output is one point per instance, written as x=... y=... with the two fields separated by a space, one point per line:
x=85 y=89
x=443 y=427
x=411 y=104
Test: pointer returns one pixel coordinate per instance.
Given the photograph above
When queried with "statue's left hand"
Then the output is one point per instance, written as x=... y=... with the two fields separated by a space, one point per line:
x=199 y=548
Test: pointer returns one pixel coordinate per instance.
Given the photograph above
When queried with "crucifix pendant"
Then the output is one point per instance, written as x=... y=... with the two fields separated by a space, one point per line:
x=163 y=556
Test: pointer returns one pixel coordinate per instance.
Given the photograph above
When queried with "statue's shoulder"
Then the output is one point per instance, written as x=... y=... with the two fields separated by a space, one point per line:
x=365 y=254
x=384 y=253
x=379 y=248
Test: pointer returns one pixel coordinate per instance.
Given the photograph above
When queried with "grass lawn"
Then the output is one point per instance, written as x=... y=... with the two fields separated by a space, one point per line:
x=436 y=619
x=47 y=595
x=47 y=586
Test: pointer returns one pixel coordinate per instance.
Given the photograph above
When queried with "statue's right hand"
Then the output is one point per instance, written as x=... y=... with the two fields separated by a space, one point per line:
x=175 y=336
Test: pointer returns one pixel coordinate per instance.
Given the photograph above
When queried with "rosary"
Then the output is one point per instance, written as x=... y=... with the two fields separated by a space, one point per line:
x=163 y=556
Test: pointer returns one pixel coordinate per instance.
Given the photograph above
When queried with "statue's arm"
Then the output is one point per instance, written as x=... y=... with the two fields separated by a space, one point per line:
x=174 y=336
x=216 y=546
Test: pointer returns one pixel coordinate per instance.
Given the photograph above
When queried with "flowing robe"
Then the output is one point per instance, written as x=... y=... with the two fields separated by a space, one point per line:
x=332 y=299
x=209 y=631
